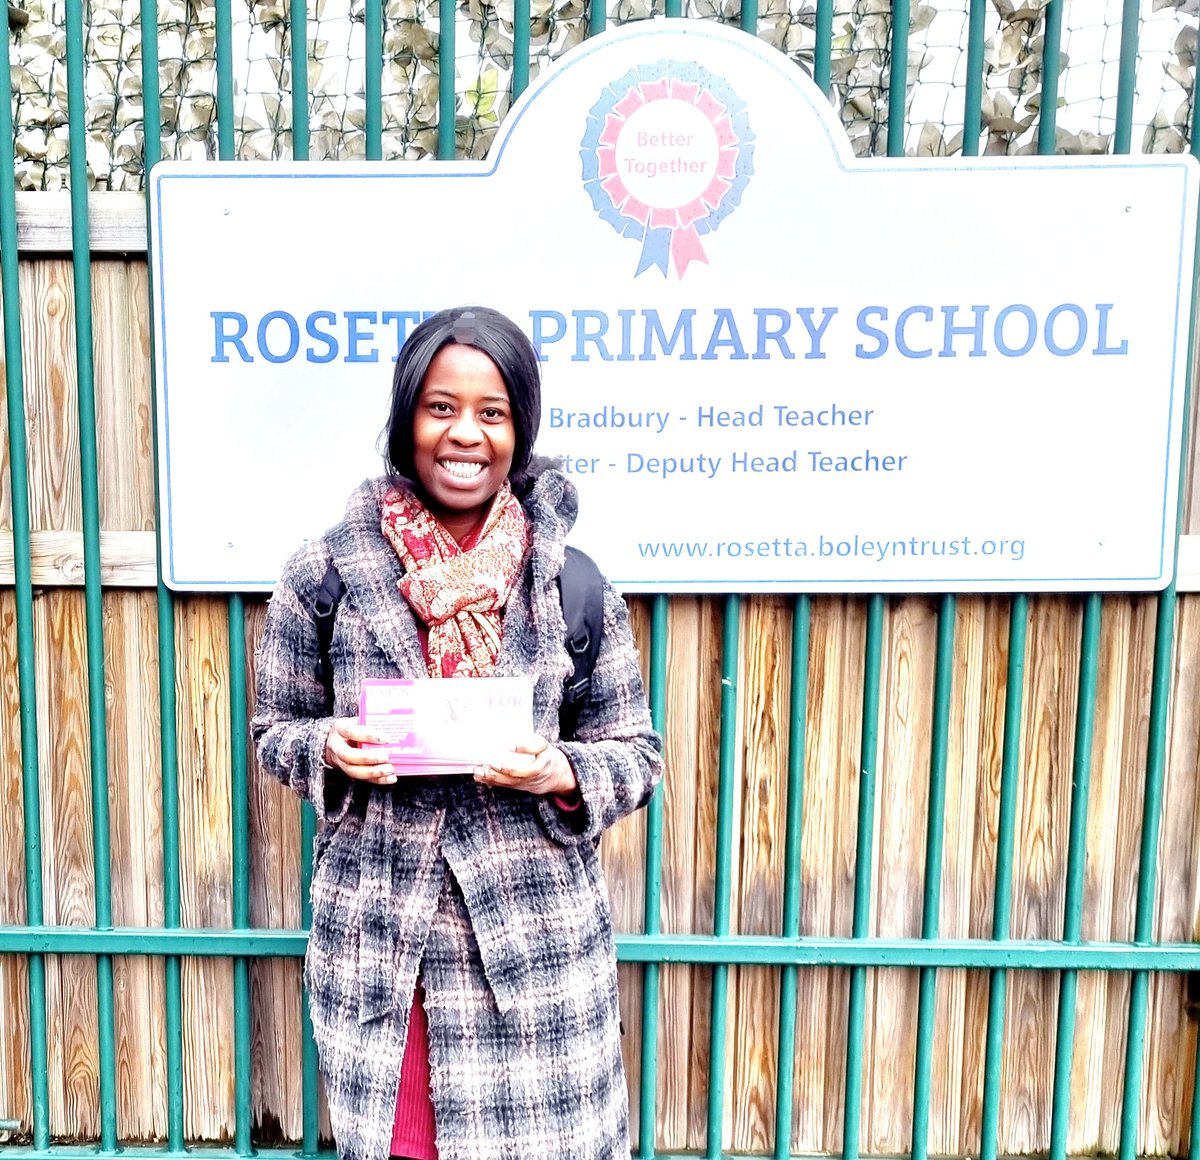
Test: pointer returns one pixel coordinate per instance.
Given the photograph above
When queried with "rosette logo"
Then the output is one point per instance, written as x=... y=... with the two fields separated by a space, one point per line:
x=666 y=155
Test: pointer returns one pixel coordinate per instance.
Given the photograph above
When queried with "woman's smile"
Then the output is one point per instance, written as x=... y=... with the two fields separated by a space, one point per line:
x=462 y=469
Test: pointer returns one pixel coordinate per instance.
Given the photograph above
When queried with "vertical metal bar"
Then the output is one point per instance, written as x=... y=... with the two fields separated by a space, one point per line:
x=724 y=876
x=1126 y=75
x=793 y=832
x=309 y=1068
x=673 y=8
x=520 y=67
x=898 y=79
x=373 y=78
x=1051 y=49
x=1002 y=906
x=973 y=96
x=447 y=101
x=165 y=610
x=647 y=1095
x=298 y=45
x=1194 y=148
x=1164 y=634
x=226 y=146
x=81 y=263
x=864 y=841
x=597 y=17
x=151 y=106
x=1085 y=720
x=823 y=47
x=935 y=827
x=171 y=901
x=748 y=16
x=1143 y=923
x=18 y=471
x=240 y=824
x=237 y=685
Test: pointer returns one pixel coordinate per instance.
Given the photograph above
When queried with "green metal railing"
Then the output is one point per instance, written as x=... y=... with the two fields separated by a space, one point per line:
x=23 y=600
x=788 y=952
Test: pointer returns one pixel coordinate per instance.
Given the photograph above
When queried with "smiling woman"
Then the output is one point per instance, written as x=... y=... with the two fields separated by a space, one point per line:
x=461 y=966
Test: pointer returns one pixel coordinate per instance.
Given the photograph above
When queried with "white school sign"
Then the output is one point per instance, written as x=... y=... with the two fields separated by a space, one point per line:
x=768 y=366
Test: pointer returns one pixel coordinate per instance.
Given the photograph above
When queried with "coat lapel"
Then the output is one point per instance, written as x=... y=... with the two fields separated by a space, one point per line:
x=370 y=570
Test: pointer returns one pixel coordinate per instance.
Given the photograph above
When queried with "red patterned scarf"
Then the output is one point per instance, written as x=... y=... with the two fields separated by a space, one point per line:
x=459 y=591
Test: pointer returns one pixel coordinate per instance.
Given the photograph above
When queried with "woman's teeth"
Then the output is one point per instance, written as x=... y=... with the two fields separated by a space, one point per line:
x=462 y=470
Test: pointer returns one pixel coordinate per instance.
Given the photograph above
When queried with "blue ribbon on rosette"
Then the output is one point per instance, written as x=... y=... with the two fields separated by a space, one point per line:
x=678 y=241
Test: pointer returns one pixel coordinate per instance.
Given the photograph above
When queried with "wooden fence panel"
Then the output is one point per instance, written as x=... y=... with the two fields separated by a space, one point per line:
x=693 y=697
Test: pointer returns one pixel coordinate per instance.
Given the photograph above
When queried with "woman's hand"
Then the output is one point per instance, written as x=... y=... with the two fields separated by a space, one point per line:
x=535 y=766
x=343 y=750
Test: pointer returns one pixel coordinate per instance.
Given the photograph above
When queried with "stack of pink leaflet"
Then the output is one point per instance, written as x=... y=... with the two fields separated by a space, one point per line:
x=438 y=727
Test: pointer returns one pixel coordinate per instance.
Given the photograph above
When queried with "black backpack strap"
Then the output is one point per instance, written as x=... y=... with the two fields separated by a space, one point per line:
x=581 y=590
x=324 y=609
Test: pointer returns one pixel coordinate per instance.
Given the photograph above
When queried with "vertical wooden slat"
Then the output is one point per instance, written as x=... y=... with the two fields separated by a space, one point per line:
x=136 y=818
x=201 y=631
x=126 y=496
x=1039 y=880
x=1114 y=824
x=910 y=652
x=830 y=804
x=972 y=793
x=274 y=903
x=53 y=428
x=688 y=685
x=766 y=688
x=67 y=852
x=704 y=854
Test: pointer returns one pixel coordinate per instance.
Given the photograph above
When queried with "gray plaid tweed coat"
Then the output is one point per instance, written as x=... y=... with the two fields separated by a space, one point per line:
x=495 y=897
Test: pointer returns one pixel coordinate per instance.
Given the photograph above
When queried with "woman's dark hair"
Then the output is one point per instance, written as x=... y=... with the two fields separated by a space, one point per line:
x=502 y=341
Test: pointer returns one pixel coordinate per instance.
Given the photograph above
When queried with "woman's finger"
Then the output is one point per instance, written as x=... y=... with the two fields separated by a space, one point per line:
x=362 y=764
x=535 y=745
x=344 y=750
x=353 y=731
x=361 y=758
x=384 y=775
x=514 y=765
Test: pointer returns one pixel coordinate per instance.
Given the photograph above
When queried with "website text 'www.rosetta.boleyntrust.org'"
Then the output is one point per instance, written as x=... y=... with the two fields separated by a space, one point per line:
x=846 y=547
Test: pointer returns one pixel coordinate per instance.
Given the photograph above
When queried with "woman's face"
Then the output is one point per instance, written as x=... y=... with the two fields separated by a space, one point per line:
x=463 y=436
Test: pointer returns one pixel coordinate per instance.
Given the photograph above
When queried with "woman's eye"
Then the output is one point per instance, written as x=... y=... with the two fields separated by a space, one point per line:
x=493 y=415
x=440 y=408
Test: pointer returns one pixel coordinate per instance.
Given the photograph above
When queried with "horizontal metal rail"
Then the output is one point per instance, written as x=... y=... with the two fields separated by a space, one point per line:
x=739 y=950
